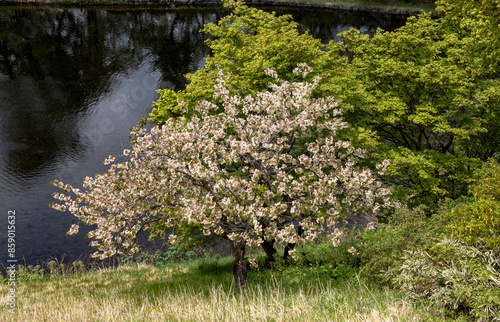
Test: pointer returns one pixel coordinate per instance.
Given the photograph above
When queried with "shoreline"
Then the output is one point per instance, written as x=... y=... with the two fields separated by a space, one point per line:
x=217 y=3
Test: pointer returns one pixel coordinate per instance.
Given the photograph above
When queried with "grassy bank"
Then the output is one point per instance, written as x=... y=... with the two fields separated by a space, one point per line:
x=202 y=290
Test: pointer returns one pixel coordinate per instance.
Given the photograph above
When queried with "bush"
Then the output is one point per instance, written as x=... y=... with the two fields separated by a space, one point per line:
x=463 y=279
x=479 y=221
x=383 y=248
x=326 y=254
x=174 y=254
x=314 y=261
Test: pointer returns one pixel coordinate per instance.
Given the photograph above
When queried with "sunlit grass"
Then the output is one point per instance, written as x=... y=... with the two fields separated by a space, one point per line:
x=201 y=291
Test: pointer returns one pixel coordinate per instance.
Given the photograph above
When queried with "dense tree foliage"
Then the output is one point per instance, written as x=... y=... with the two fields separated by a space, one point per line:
x=243 y=44
x=425 y=96
x=430 y=92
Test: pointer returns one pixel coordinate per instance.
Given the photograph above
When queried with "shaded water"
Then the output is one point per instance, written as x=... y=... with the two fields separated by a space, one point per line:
x=72 y=83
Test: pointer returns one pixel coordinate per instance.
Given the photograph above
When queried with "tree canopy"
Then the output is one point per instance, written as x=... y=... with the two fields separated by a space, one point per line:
x=429 y=91
x=425 y=95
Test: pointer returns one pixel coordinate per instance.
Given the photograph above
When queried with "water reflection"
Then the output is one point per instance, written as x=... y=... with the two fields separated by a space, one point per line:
x=327 y=24
x=72 y=83
x=59 y=63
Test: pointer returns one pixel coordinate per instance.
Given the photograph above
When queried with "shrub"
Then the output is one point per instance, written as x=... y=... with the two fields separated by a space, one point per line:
x=479 y=222
x=383 y=248
x=326 y=253
x=463 y=279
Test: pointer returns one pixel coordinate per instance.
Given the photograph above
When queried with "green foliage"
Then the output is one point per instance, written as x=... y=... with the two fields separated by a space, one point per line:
x=323 y=261
x=431 y=97
x=461 y=278
x=476 y=25
x=166 y=106
x=314 y=261
x=382 y=248
x=243 y=44
x=174 y=254
x=425 y=96
x=335 y=259
x=479 y=222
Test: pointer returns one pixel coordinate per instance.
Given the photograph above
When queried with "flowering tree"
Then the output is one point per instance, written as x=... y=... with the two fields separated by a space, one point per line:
x=267 y=169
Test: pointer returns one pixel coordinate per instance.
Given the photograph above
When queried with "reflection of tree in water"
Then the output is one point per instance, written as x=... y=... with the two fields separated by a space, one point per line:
x=326 y=25
x=175 y=41
x=56 y=63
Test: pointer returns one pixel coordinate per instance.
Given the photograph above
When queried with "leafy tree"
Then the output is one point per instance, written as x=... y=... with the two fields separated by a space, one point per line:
x=243 y=44
x=425 y=96
x=429 y=91
x=267 y=168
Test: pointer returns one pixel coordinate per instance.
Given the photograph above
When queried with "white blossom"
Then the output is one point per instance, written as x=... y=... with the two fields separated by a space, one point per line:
x=242 y=178
x=353 y=250
x=253 y=263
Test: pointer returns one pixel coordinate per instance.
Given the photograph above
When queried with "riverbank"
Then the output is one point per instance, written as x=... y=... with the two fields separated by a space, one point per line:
x=306 y=4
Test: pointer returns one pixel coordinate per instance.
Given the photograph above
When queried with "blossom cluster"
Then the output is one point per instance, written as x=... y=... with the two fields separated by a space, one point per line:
x=253 y=172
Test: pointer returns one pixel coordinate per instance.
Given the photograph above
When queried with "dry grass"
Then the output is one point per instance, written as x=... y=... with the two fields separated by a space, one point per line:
x=183 y=293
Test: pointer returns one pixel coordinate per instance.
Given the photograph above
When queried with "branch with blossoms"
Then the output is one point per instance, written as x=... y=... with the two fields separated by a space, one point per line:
x=252 y=174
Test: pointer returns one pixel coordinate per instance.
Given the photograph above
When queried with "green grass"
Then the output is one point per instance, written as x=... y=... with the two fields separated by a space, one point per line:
x=203 y=290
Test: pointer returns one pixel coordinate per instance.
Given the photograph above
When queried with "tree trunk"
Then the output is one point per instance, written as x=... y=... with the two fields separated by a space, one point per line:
x=268 y=247
x=238 y=249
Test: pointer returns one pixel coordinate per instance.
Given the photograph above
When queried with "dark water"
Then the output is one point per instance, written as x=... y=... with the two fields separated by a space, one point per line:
x=72 y=83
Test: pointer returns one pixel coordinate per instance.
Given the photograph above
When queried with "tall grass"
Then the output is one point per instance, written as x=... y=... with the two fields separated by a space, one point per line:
x=201 y=290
